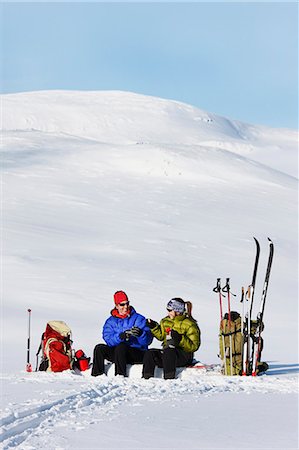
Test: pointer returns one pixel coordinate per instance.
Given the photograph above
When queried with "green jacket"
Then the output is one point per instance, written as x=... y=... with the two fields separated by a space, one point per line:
x=190 y=341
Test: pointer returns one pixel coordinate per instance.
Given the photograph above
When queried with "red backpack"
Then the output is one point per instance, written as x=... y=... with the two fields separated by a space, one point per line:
x=56 y=346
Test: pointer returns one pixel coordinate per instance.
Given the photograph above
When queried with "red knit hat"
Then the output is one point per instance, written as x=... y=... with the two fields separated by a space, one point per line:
x=119 y=297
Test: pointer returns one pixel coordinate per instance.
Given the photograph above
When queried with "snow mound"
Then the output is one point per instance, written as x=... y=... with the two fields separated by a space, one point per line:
x=114 y=117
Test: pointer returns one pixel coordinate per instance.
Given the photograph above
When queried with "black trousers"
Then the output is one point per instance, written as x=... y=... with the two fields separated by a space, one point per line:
x=121 y=355
x=169 y=359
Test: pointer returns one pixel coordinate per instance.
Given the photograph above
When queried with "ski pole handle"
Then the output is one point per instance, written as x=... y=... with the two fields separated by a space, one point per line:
x=28 y=366
x=226 y=288
x=242 y=295
x=217 y=288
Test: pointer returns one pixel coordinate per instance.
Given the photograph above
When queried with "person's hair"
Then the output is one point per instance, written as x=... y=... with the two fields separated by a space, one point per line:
x=188 y=308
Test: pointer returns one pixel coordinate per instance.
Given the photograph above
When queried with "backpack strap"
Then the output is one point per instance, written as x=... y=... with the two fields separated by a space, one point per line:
x=38 y=351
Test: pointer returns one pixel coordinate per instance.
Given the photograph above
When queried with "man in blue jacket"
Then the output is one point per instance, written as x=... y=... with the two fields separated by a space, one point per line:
x=127 y=337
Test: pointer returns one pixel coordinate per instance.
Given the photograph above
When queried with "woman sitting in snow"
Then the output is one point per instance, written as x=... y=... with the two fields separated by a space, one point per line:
x=181 y=338
x=127 y=337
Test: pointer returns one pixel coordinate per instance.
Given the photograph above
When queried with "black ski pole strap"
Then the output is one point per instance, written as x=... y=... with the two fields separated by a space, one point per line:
x=226 y=288
x=231 y=333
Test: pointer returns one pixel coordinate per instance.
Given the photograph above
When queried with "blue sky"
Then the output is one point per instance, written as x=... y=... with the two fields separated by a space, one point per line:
x=237 y=59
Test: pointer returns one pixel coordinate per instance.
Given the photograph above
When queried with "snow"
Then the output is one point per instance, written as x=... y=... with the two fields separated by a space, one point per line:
x=113 y=190
x=82 y=412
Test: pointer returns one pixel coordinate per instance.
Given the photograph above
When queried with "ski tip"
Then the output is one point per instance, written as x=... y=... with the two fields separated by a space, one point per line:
x=256 y=242
x=270 y=240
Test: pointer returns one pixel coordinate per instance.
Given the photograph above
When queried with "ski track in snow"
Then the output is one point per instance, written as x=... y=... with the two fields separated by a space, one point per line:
x=97 y=398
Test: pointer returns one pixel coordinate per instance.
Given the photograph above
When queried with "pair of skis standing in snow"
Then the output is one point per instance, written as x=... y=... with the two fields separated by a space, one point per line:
x=243 y=332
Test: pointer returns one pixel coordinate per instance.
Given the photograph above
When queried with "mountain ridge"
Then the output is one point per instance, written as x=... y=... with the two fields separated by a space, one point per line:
x=118 y=117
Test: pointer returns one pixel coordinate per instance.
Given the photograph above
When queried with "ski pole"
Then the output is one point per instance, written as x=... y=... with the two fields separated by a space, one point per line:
x=227 y=289
x=242 y=301
x=230 y=325
x=218 y=289
x=28 y=365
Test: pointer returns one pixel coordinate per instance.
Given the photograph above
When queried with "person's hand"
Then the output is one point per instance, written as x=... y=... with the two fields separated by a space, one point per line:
x=176 y=337
x=169 y=343
x=151 y=323
x=136 y=331
x=125 y=335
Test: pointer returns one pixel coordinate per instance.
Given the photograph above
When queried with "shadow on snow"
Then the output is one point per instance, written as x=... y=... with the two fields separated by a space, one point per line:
x=280 y=369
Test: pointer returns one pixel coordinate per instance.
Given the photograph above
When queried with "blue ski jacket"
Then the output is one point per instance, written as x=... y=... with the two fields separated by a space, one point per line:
x=115 y=325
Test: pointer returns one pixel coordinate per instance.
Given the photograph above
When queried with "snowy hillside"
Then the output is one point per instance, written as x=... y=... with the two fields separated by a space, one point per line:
x=112 y=190
x=126 y=118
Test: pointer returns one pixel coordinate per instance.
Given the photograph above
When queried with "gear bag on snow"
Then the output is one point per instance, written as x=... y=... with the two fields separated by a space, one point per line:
x=231 y=328
x=81 y=361
x=56 y=346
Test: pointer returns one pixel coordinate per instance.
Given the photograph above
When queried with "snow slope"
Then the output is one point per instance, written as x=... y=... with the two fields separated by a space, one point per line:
x=114 y=190
x=117 y=117
x=68 y=411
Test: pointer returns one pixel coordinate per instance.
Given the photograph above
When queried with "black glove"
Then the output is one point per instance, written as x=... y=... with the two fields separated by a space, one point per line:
x=125 y=335
x=169 y=343
x=176 y=337
x=151 y=323
x=136 y=331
